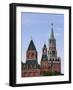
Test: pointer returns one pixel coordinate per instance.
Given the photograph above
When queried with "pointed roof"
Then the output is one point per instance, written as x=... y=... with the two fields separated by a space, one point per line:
x=44 y=46
x=52 y=32
x=31 y=46
x=44 y=57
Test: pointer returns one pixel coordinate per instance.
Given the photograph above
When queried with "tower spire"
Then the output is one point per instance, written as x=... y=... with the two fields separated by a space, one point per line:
x=52 y=45
x=52 y=32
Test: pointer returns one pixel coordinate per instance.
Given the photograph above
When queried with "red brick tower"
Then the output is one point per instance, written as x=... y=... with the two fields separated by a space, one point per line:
x=54 y=60
x=31 y=65
x=44 y=60
x=31 y=56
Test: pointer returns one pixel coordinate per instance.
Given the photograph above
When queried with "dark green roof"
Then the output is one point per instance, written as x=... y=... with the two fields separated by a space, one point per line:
x=31 y=46
x=44 y=46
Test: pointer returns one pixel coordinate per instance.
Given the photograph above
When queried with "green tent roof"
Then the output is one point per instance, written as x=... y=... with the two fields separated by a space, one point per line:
x=31 y=46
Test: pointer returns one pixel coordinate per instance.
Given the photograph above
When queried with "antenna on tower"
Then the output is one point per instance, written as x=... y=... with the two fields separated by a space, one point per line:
x=52 y=33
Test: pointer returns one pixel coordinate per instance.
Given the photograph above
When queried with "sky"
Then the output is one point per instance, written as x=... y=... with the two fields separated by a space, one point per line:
x=37 y=26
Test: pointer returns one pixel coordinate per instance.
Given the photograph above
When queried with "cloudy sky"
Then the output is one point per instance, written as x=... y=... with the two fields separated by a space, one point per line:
x=38 y=26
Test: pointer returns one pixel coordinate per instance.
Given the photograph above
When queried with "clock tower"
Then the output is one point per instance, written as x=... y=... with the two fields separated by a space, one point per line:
x=31 y=66
x=54 y=61
x=52 y=52
x=31 y=56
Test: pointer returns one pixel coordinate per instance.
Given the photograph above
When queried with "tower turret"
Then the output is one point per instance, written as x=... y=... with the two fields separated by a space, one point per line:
x=44 y=60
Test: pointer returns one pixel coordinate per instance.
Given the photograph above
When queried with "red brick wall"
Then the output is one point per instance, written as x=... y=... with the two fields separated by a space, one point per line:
x=56 y=67
x=30 y=73
x=44 y=66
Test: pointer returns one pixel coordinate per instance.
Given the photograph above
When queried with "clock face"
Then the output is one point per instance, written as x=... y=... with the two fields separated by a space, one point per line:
x=31 y=55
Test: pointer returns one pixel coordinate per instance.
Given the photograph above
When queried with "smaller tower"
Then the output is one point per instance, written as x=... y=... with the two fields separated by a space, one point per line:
x=44 y=60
